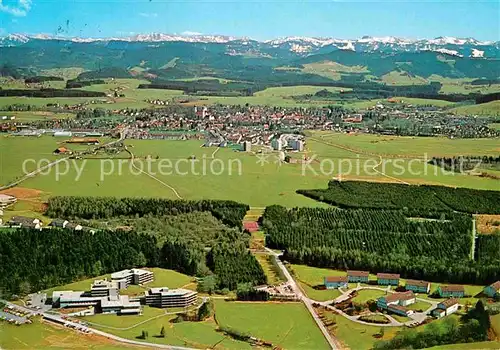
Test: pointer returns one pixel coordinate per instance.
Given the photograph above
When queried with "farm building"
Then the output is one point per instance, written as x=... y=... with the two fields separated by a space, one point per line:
x=358 y=276
x=23 y=221
x=251 y=226
x=418 y=286
x=455 y=291
x=492 y=290
x=59 y=223
x=445 y=308
x=333 y=282
x=388 y=279
x=397 y=302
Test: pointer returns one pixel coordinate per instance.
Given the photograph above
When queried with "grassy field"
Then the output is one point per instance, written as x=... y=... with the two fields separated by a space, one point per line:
x=279 y=183
x=332 y=70
x=272 y=276
x=287 y=325
x=367 y=294
x=34 y=116
x=399 y=159
x=486 y=109
x=41 y=335
x=201 y=335
x=419 y=305
x=358 y=336
x=242 y=176
x=277 y=96
x=402 y=78
x=495 y=126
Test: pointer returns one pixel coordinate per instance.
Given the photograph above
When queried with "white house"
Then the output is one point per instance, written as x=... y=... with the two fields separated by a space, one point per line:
x=446 y=308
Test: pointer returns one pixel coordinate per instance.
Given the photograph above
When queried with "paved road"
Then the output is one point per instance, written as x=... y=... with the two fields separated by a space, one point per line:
x=418 y=317
x=59 y=319
x=334 y=343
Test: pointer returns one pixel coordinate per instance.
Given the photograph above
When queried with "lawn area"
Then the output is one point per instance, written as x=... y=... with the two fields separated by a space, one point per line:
x=201 y=335
x=367 y=294
x=287 y=325
x=309 y=277
x=358 y=336
x=41 y=335
x=272 y=276
x=104 y=321
x=399 y=318
x=419 y=305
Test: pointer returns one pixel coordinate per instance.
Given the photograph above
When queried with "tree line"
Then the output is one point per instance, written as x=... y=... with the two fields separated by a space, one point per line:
x=229 y=212
x=437 y=249
x=416 y=198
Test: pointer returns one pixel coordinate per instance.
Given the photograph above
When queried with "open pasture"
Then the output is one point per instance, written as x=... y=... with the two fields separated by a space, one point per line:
x=287 y=325
x=42 y=335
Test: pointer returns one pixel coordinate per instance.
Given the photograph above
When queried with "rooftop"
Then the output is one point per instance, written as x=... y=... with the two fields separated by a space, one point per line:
x=358 y=273
x=333 y=279
x=388 y=276
x=164 y=291
x=417 y=283
x=452 y=288
x=447 y=303
x=496 y=285
x=126 y=273
x=399 y=296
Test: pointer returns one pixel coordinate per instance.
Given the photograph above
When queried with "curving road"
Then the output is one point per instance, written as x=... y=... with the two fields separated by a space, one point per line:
x=333 y=342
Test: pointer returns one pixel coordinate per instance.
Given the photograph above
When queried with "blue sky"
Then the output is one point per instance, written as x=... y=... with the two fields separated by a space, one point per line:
x=255 y=19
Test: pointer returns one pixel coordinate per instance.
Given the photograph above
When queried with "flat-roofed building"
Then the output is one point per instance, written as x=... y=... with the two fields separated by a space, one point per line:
x=64 y=299
x=164 y=297
x=120 y=305
x=104 y=288
x=133 y=276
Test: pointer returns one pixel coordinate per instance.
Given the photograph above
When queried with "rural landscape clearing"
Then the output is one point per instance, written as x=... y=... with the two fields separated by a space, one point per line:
x=295 y=184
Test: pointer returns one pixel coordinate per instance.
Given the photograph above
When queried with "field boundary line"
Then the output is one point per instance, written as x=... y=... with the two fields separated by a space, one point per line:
x=151 y=176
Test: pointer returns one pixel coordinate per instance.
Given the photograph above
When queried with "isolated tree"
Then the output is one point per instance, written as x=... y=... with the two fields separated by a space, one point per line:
x=162 y=332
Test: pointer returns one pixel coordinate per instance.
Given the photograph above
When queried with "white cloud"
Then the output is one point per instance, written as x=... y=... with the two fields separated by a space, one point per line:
x=20 y=9
x=190 y=33
x=148 y=15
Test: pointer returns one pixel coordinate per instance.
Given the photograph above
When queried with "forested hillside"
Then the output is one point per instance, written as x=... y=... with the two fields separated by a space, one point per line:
x=412 y=198
x=194 y=237
x=435 y=247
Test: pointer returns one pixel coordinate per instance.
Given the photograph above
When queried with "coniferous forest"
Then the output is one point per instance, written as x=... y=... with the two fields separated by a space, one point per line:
x=162 y=233
x=384 y=241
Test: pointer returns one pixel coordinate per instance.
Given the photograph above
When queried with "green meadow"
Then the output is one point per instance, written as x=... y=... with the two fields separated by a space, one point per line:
x=196 y=172
x=287 y=325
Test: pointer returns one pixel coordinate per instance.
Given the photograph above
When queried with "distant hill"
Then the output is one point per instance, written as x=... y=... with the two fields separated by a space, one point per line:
x=275 y=62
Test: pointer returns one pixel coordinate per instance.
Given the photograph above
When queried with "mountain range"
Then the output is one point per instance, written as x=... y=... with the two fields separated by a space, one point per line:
x=288 y=61
x=299 y=46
